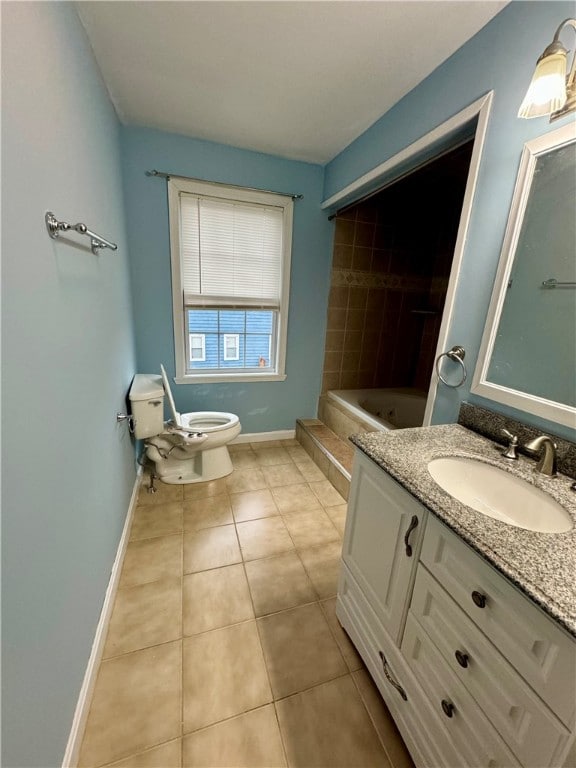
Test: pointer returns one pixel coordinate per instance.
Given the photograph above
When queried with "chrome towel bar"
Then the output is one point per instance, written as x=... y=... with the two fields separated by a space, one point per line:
x=54 y=228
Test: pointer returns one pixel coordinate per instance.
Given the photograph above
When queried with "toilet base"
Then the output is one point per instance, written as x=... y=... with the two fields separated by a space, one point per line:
x=205 y=465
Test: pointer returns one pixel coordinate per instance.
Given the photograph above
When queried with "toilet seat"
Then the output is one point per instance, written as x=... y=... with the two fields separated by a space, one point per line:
x=208 y=421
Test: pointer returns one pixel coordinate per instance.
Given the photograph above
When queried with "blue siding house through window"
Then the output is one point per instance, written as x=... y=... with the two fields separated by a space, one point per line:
x=253 y=327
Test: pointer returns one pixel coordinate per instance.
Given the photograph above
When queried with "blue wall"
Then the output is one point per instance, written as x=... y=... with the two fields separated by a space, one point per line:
x=68 y=359
x=261 y=406
x=500 y=57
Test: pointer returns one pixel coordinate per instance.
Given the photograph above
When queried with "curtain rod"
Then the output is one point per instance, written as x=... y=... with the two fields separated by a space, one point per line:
x=167 y=176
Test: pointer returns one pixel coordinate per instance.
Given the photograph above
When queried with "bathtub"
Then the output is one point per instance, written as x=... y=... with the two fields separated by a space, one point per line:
x=347 y=411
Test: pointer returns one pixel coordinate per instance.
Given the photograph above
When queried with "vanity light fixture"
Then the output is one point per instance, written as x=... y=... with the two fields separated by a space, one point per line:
x=551 y=91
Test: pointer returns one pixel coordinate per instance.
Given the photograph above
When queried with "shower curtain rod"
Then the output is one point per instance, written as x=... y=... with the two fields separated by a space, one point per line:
x=167 y=176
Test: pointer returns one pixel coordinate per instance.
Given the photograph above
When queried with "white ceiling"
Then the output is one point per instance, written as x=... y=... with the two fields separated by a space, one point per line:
x=296 y=79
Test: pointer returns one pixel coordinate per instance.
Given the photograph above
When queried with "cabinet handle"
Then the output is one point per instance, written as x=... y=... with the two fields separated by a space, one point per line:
x=390 y=679
x=479 y=599
x=462 y=658
x=448 y=708
x=413 y=524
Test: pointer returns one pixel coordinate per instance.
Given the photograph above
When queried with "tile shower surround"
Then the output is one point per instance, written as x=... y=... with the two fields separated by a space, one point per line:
x=224 y=648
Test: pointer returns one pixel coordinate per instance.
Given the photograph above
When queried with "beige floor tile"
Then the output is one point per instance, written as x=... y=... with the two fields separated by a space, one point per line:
x=309 y=529
x=322 y=565
x=263 y=538
x=151 y=560
x=263 y=444
x=207 y=513
x=224 y=675
x=299 y=649
x=382 y=719
x=277 y=583
x=211 y=548
x=251 y=740
x=282 y=474
x=338 y=516
x=136 y=704
x=167 y=755
x=237 y=447
x=351 y=656
x=165 y=492
x=203 y=490
x=327 y=495
x=244 y=459
x=145 y=615
x=253 y=505
x=297 y=453
x=309 y=470
x=215 y=599
x=245 y=480
x=295 y=498
x=155 y=520
x=267 y=456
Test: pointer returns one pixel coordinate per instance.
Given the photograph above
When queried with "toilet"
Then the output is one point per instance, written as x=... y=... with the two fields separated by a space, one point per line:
x=190 y=447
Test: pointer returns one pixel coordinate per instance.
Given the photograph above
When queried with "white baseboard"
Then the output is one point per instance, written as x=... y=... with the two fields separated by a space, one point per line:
x=72 y=753
x=260 y=437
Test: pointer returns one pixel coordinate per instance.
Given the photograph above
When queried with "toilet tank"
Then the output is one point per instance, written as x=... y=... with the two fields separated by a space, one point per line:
x=147 y=403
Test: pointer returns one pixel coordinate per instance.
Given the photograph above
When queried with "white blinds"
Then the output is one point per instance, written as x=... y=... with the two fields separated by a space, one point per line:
x=231 y=252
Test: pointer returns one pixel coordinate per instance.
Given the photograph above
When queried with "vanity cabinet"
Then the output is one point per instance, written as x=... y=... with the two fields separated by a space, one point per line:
x=473 y=672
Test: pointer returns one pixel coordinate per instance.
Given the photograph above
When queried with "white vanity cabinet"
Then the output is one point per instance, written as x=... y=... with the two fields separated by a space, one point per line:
x=474 y=673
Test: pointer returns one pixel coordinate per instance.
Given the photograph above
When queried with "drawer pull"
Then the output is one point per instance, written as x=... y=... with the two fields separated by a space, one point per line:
x=390 y=679
x=411 y=527
x=448 y=708
x=479 y=599
x=462 y=659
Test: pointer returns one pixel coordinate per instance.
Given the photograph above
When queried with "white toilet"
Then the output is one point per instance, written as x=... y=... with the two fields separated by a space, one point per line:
x=191 y=447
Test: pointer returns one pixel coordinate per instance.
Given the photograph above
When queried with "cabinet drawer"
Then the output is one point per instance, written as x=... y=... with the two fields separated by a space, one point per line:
x=472 y=733
x=538 y=648
x=530 y=729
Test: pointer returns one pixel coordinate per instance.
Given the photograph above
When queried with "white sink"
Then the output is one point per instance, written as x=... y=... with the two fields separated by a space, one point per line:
x=499 y=494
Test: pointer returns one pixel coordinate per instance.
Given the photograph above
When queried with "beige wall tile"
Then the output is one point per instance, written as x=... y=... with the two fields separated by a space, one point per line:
x=326 y=494
x=322 y=565
x=224 y=675
x=277 y=583
x=145 y=615
x=282 y=474
x=295 y=498
x=338 y=297
x=207 y=513
x=328 y=726
x=344 y=231
x=335 y=340
x=308 y=529
x=336 y=319
x=342 y=256
x=168 y=755
x=245 y=480
x=211 y=548
x=252 y=505
x=151 y=560
x=330 y=380
x=215 y=598
x=321 y=461
x=263 y=538
x=332 y=363
x=299 y=649
x=251 y=740
x=347 y=649
x=150 y=521
x=137 y=688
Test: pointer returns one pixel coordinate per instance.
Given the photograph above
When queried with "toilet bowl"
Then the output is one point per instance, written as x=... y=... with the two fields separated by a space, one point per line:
x=191 y=447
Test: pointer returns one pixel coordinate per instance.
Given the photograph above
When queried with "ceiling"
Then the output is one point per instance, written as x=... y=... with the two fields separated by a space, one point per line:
x=297 y=79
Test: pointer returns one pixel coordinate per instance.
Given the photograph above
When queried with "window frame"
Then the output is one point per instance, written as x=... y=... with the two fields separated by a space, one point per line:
x=225 y=337
x=202 y=337
x=177 y=186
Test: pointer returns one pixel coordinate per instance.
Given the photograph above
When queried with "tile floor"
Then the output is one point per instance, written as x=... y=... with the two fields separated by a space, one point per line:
x=224 y=649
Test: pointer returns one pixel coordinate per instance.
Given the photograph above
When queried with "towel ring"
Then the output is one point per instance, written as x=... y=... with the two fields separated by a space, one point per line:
x=457 y=355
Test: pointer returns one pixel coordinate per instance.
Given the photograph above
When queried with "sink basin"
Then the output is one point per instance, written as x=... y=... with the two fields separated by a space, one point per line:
x=499 y=494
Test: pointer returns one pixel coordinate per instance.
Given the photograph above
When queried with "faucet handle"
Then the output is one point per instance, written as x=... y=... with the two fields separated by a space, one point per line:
x=510 y=451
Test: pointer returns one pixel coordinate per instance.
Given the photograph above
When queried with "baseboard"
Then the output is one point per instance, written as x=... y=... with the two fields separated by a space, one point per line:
x=72 y=753
x=260 y=437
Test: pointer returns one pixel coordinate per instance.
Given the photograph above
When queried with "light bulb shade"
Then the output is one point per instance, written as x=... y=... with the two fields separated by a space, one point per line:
x=547 y=91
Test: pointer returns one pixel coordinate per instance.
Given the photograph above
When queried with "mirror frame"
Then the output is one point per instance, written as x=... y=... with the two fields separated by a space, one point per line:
x=558 y=413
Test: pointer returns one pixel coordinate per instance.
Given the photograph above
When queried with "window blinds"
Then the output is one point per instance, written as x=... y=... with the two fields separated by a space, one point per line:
x=231 y=252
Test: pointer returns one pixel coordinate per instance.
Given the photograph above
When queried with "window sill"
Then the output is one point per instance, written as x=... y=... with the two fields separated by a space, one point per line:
x=211 y=378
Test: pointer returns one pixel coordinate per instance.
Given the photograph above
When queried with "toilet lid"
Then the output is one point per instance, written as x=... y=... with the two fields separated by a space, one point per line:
x=175 y=414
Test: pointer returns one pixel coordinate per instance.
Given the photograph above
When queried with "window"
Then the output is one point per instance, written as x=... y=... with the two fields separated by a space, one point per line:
x=230 y=277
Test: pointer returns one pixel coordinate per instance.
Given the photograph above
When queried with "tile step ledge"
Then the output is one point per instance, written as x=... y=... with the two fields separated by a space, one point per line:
x=329 y=452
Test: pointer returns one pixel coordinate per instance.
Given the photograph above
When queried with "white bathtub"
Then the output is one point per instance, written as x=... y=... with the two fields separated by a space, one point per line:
x=383 y=409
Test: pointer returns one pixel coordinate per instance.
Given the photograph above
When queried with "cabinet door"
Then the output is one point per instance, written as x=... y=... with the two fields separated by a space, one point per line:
x=382 y=542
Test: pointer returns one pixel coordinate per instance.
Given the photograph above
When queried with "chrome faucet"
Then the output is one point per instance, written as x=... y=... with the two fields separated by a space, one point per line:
x=547 y=462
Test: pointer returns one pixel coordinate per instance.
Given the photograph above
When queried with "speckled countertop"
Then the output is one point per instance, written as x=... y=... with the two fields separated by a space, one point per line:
x=542 y=565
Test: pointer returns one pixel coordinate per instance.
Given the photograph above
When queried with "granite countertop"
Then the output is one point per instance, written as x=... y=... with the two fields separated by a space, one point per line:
x=542 y=565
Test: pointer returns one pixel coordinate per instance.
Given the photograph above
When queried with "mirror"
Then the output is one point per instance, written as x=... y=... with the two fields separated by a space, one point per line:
x=527 y=357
